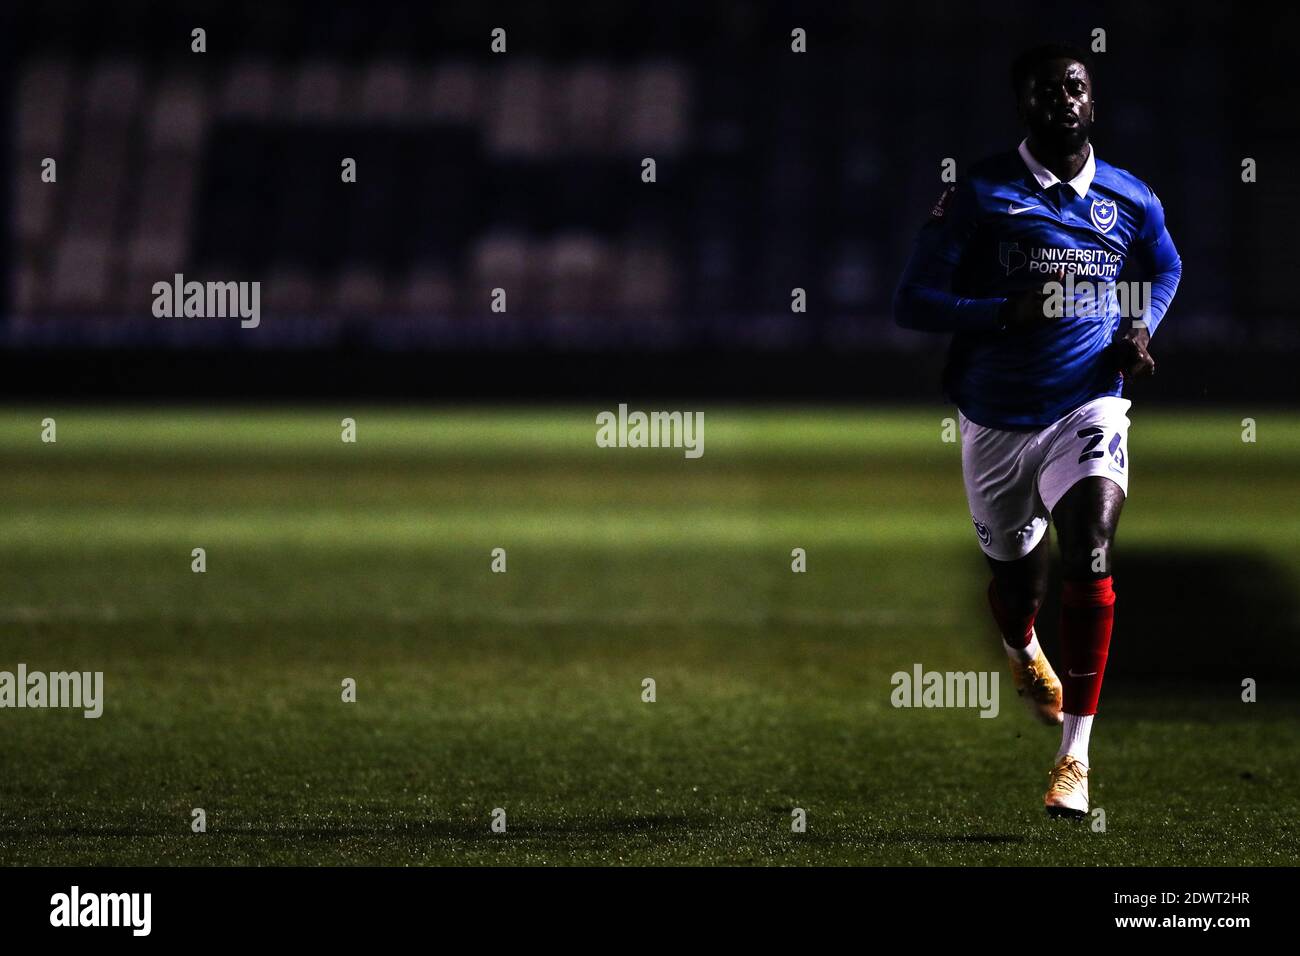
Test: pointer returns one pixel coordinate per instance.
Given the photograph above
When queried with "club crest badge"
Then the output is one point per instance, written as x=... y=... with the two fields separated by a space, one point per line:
x=1104 y=214
x=1116 y=454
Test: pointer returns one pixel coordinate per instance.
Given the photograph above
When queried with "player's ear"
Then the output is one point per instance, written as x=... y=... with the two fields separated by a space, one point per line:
x=1022 y=101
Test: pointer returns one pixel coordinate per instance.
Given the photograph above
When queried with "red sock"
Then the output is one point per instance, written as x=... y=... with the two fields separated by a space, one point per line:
x=1087 y=613
x=1015 y=628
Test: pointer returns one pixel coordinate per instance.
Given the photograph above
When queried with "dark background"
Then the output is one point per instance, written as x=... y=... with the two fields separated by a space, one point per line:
x=522 y=170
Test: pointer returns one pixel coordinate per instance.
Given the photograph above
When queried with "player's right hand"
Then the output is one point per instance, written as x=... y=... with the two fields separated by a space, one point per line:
x=1025 y=311
x=1131 y=356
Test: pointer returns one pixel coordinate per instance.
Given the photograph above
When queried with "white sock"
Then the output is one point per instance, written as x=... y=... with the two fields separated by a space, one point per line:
x=1074 y=737
x=1022 y=655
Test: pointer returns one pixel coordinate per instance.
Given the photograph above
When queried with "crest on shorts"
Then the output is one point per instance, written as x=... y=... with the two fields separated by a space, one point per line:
x=982 y=530
x=1117 y=453
x=1104 y=212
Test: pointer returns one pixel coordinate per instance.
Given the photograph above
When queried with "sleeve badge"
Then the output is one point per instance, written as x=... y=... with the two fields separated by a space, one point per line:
x=940 y=206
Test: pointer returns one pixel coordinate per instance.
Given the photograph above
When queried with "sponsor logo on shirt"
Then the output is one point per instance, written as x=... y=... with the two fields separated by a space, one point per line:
x=1046 y=260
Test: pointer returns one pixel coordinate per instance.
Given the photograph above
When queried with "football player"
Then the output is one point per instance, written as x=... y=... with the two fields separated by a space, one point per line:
x=1019 y=261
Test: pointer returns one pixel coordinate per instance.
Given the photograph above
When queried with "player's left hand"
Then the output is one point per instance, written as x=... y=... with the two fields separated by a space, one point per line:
x=1131 y=355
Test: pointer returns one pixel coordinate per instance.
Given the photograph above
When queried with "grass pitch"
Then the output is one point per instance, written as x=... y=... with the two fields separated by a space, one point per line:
x=523 y=690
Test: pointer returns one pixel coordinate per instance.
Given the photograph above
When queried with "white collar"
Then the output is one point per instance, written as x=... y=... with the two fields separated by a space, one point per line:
x=1047 y=178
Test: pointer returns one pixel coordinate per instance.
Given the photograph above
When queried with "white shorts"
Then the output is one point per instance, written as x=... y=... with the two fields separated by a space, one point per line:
x=1014 y=479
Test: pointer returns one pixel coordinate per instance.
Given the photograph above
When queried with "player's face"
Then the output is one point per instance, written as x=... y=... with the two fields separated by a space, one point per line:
x=1056 y=104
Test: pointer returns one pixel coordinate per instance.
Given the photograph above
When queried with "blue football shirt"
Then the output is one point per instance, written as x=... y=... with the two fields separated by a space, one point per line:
x=1009 y=225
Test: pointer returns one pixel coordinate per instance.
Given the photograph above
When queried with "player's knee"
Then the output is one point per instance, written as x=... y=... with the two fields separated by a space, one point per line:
x=1087 y=554
x=1023 y=599
x=1031 y=596
x=1039 y=594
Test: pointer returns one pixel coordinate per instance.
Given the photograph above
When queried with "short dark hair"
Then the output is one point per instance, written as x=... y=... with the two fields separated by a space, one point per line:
x=1031 y=59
